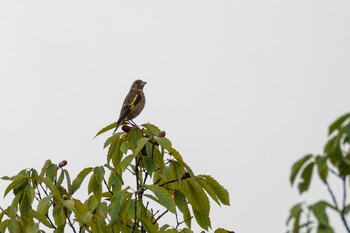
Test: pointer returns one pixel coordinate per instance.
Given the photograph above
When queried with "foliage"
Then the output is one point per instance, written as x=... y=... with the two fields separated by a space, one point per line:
x=164 y=184
x=335 y=161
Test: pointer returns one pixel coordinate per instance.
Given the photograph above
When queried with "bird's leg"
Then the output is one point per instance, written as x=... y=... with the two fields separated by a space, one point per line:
x=133 y=123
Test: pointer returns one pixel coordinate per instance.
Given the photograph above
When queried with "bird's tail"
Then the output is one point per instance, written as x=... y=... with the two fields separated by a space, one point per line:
x=116 y=128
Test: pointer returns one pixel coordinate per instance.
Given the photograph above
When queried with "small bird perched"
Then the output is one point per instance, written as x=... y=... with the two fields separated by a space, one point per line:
x=133 y=104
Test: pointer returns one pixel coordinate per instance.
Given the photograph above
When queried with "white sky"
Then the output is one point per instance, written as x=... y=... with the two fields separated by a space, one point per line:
x=243 y=88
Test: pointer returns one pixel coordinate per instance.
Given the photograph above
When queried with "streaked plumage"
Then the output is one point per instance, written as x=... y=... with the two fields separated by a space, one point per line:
x=133 y=104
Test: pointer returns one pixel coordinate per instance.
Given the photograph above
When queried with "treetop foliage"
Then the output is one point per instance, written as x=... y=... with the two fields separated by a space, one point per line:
x=164 y=185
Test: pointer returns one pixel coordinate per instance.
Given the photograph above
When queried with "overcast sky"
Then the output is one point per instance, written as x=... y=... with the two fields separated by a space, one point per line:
x=243 y=88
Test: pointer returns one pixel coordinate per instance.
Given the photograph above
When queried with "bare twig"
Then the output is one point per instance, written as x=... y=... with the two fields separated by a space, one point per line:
x=160 y=216
x=332 y=196
x=105 y=182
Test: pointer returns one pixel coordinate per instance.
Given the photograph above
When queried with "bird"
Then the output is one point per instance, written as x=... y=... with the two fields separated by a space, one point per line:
x=133 y=103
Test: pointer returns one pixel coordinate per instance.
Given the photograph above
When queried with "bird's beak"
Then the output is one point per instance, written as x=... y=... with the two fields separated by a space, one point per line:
x=144 y=83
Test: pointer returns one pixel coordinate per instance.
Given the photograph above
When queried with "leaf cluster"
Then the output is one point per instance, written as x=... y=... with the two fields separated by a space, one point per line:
x=164 y=184
x=334 y=160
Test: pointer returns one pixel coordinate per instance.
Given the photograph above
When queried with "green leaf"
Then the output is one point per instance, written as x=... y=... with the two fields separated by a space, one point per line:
x=116 y=202
x=324 y=229
x=113 y=138
x=338 y=123
x=208 y=188
x=147 y=224
x=306 y=178
x=181 y=203
x=80 y=178
x=58 y=215
x=41 y=218
x=297 y=166
x=44 y=169
x=44 y=205
x=164 y=197
x=124 y=147
x=140 y=145
x=152 y=130
x=126 y=162
x=54 y=191
x=51 y=172
x=69 y=204
x=18 y=180
x=105 y=129
x=222 y=230
x=133 y=137
x=202 y=219
x=322 y=168
x=95 y=183
x=3 y=225
x=196 y=196
x=69 y=182
x=60 y=179
x=164 y=142
x=319 y=210
x=295 y=213
x=219 y=190
x=14 y=226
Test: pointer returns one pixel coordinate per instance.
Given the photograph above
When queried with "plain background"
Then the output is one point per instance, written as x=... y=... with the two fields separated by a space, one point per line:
x=242 y=88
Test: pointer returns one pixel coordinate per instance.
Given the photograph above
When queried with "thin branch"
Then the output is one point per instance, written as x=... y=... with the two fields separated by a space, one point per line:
x=344 y=203
x=70 y=223
x=332 y=196
x=160 y=216
x=344 y=191
x=179 y=223
x=48 y=217
x=105 y=182
x=43 y=189
x=136 y=192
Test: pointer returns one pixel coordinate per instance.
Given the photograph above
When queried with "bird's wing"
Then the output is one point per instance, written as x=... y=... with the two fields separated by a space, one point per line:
x=130 y=102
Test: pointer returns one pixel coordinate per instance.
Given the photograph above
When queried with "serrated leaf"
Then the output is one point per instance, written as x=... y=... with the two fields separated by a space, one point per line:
x=105 y=129
x=41 y=217
x=44 y=169
x=164 y=142
x=60 y=179
x=202 y=219
x=222 y=230
x=196 y=196
x=154 y=130
x=54 y=191
x=58 y=215
x=164 y=197
x=297 y=166
x=80 y=178
x=95 y=183
x=44 y=205
x=113 y=138
x=208 y=188
x=219 y=190
x=51 y=172
x=69 y=182
x=126 y=162
x=140 y=145
x=306 y=178
x=147 y=224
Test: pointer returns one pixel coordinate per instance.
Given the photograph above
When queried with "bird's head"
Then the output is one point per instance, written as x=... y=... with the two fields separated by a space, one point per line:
x=138 y=85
